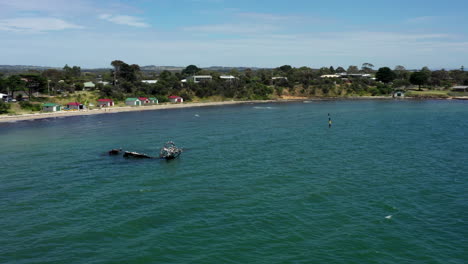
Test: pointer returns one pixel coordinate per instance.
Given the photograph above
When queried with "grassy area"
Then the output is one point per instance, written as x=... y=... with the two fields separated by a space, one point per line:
x=428 y=94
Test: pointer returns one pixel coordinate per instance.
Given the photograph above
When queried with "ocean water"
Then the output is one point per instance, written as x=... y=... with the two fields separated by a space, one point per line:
x=257 y=183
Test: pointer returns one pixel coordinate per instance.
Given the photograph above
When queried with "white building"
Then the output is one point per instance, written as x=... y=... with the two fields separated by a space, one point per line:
x=279 y=78
x=200 y=78
x=104 y=82
x=149 y=81
x=330 y=76
x=227 y=77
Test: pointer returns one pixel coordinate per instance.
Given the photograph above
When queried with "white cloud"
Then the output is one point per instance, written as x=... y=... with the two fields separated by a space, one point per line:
x=124 y=20
x=232 y=28
x=422 y=19
x=36 y=24
x=267 y=16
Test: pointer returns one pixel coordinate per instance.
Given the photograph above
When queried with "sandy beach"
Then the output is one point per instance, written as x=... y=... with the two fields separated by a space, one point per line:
x=110 y=110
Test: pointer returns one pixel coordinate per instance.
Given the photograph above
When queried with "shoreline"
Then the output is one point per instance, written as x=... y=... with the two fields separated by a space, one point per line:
x=112 y=110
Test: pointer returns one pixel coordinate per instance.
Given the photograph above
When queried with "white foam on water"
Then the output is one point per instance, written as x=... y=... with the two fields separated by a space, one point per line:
x=197 y=115
x=263 y=107
x=388 y=217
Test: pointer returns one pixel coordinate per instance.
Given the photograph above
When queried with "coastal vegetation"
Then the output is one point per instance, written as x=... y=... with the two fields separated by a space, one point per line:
x=71 y=83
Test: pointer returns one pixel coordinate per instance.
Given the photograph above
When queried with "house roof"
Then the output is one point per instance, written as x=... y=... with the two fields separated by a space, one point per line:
x=149 y=81
x=132 y=99
x=105 y=100
x=143 y=98
x=174 y=97
x=89 y=84
x=227 y=77
x=74 y=103
x=153 y=98
x=49 y=104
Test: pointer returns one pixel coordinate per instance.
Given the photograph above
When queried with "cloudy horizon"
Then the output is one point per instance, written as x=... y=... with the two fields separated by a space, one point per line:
x=241 y=34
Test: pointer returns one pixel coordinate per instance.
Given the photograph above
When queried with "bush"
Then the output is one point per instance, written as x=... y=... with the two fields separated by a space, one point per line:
x=28 y=106
x=4 y=107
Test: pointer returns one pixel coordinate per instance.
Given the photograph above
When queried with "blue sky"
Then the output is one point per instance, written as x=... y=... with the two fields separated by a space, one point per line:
x=261 y=33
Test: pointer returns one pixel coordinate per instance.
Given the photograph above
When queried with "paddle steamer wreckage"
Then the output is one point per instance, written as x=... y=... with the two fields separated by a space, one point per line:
x=168 y=152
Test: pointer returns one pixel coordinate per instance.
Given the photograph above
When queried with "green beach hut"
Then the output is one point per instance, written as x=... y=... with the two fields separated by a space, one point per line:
x=51 y=107
x=133 y=101
x=153 y=100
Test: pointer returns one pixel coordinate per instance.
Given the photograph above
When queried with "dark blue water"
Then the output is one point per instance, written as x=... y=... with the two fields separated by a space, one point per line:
x=258 y=183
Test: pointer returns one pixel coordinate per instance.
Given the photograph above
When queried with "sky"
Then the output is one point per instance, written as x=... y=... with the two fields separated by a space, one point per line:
x=248 y=33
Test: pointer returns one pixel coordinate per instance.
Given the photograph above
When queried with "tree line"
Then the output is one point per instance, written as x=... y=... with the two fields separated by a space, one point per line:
x=125 y=80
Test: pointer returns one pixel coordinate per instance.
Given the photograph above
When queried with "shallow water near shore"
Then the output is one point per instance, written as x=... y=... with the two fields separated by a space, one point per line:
x=258 y=183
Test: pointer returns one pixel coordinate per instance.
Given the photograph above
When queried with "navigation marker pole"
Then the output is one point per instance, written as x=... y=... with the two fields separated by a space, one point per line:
x=329 y=121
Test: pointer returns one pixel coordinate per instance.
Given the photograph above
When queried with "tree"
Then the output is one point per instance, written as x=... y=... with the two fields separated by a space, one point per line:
x=285 y=68
x=401 y=72
x=15 y=83
x=70 y=72
x=116 y=64
x=418 y=78
x=340 y=70
x=353 y=69
x=385 y=75
x=367 y=67
x=191 y=70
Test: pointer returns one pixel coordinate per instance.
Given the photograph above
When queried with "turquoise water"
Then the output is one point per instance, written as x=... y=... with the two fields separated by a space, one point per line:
x=258 y=183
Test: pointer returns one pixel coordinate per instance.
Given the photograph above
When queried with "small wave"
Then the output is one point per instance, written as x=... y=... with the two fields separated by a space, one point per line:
x=388 y=217
x=263 y=107
x=197 y=115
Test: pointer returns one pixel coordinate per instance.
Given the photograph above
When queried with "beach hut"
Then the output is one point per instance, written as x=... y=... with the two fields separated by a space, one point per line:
x=133 y=101
x=460 y=88
x=153 y=100
x=105 y=103
x=144 y=100
x=51 y=107
x=175 y=99
x=75 y=106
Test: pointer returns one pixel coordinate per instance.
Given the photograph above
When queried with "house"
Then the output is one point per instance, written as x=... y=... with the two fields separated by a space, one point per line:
x=199 y=78
x=330 y=76
x=104 y=83
x=175 y=99
x=51 y=107
x=3 y=96
x=279 y=78
x=89 y=85
x=105 y=102
x=75 y=106
x=227 y=77
x=149 y=81
x=153 y=100
x=144 y=100
x=133 y=101
x=460 y=88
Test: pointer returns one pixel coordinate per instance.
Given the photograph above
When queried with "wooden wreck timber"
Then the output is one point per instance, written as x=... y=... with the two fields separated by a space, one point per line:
x=131 y=154
x=168 y=151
